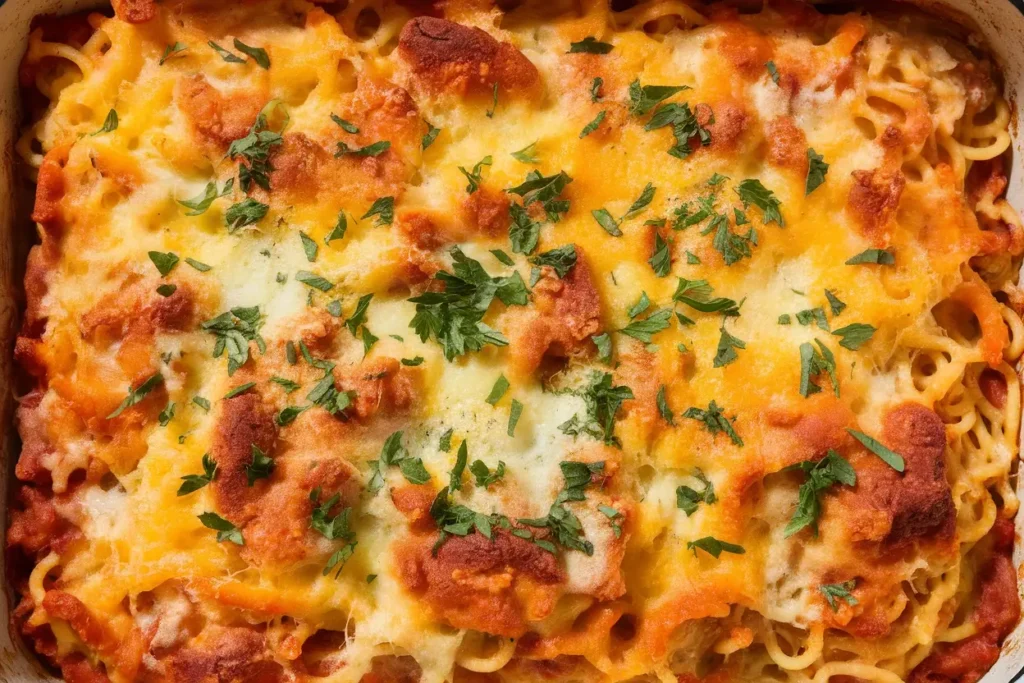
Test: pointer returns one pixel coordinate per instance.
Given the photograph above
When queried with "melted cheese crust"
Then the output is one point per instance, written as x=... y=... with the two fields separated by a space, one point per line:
x=128 y=584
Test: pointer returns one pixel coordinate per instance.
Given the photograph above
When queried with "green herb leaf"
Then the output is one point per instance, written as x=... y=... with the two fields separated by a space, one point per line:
x=514 y=413
x=233 y=331
x=225 y=55
x=816 y=171
x=346 y=126
x=528 y=154
x=593 y=125
x=137 y=394
x=309 y=246
x=889 y=457
x=773 y=71
x=545 y=191
x=832 y=591
x=166 y=415
x=313 y=280
x=713 y=547
x=501 y=385
x=194 y=482
x=414 y=471
x=727 y=345
x=431 y=135
x=603 y=401
x=663 y=408
x=821 y=476
x=784 y=319
x=644 y=98
x=226 y=531
x=383 y=209
x=855 y=336
x=641 y=305
x=561 y=259
x=590 y=45
x=200 y=203
x=246 y=212
x=372 y=150
x=603 y=342
x=751 y=191
x=109 y=124
x=595 y=89
x=260 y=467
x=240 y=389
x=644 y=330
x=523 y=232
x=172 y=50
x=340 y=227
x=715 y=421
x=258 y=54
x=882 y=257
x=286 y=384
x=288 y=415
x=202 y=403
x=814 y=362
x=484 y=476
x=688 y=499
x=166 y=290
x=198 y=265
x=661 y=258
x=445 y=444
x=607 y=221
x=461 y=458
x=494 y=101
x=474 y=176
x=696 y=294
x=164 y=262
x=834 y=302
x=358 y=317
x=815 y=315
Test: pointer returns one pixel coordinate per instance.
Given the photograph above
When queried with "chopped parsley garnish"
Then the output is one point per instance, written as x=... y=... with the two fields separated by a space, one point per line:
x=545 y=191
x=309 y=246
x=644 y=330
x=234 y=330
x=772 y=71
x=714 y=547
x=246 y=212
x=832 y=591
x=696 y=294
x=503 y=258
x=445 y=443
x=817 y=169
x=326 y=395
x=166 y=415
x=494 y=101
x=202 y=403
x=198 y=265
x=455 y=476
x=474 y=176
x=383 y=209
x=821 y=476
x=595 y=89
x=889 y=457
x=733 y=247
x=358 y=317
x=346 y=126
x=882 y=257
x=200 y=203
x=563 y=525
x=528 y=154
x=412 y=362
x=813 y=315
x=172 y=50
x=687 y=498
x=813 y=362
x=603 y=401
x=258 y=54
x=785 y=319
x=285 y=383
x=727 y=345
x=855 y=335
x=313 y=280
x=137 y=394
x=454 y=317
x=372 y=150
x=240 y=389
x=393 y=454
x=715 y=421
x=607 y=221
x=225 y=54
x=483 y=474
x=339 y=229
x=685 y=127
x=194 y=482
x=603 y=342
x=834 y=302
x=663 y=408
x=260 y=467
x=431 y=135
x=641 y=305
x=514 y=413
x=254 y=149
x=611 y=225
x=334 y=528
x=288 y=415
x=523 y=232
x=109 y=124
x=593 y=125
x=164 y=262
x=501 y=386
x=226 y=531
x=751 y=191
x=561 y=259
x=590 y=45
x=644 y=98
x=459 y=520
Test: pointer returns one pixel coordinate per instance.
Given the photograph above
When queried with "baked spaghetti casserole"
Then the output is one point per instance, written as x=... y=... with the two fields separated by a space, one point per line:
x=390 y=342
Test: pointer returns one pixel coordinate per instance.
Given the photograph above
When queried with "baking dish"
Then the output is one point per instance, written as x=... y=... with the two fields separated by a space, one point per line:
x=997 y=19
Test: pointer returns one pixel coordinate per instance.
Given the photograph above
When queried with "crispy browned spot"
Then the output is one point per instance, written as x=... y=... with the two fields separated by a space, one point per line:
x=76 y=669
x=874 y=198
x=94 y=632
x=787 y=144
x=448 y=57
x=567 y=313
x=491 y=586
x=135 y=11
x=216 y=118
x=50 y=188
x=225 y=654
x=244 y=421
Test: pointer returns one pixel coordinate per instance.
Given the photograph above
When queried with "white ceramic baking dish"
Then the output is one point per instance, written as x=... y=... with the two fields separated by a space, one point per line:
x=1001 y=22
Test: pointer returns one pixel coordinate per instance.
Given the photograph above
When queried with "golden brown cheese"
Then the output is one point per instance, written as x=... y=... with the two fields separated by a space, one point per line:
x=394 y=343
